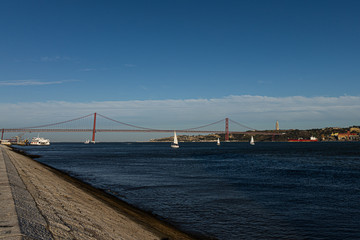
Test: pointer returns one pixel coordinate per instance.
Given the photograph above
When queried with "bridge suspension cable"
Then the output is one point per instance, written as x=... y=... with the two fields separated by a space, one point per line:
x=126 y=124
x=58 y=123
x=207 y=125
x=242 y=125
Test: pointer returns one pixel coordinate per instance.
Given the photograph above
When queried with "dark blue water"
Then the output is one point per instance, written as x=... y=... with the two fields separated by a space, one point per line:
x=235 y=191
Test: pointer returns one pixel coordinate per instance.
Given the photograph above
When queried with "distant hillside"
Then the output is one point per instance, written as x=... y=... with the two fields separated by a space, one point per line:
x=325 y=134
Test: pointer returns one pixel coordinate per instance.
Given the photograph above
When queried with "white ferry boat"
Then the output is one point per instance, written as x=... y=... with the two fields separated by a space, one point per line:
x=39 y=141
x=5 y=142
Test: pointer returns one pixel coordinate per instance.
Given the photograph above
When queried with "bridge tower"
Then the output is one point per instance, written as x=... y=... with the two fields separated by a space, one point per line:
x=2 y=134
x=226 y=129
x=94 y=129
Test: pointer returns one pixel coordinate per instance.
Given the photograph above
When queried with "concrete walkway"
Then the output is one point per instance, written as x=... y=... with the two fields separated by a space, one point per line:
x=9 y=224
x=19 y=216
x=39 y=202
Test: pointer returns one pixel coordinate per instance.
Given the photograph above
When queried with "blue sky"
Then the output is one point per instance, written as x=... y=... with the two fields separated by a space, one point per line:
x=70 y=53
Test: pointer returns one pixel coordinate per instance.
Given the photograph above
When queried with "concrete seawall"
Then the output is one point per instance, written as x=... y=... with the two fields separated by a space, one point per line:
x=28 y=222
x=9 y=224
x=39 y=202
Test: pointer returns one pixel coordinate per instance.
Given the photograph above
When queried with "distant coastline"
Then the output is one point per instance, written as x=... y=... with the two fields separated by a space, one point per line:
x=324 y=134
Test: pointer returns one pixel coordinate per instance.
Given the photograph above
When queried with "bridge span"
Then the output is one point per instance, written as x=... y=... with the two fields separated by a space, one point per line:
x=94 y=129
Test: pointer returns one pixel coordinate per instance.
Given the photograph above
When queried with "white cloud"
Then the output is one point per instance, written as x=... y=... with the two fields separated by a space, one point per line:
x=54 y=59
x=87 y=69
x=259 y=112
x=27 y=83
x=32 y=82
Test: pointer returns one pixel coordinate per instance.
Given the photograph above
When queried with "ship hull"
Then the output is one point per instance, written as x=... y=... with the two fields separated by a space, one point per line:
x=302 y=140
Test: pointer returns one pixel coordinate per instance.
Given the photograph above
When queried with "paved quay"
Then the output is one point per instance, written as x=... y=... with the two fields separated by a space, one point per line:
x=20 y=217
x=9 y=224
x=39 y=202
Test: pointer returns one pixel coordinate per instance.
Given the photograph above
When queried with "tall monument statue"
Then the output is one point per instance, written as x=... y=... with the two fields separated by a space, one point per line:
x=277 y=126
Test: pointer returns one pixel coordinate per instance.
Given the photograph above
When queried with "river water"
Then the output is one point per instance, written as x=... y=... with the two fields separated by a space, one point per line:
x=232 y=191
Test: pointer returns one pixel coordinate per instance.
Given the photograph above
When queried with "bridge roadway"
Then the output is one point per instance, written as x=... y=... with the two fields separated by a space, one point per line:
x=29 y=130
x=94 y=130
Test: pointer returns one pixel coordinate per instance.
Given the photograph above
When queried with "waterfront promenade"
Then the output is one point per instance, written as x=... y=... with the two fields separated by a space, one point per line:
x=39 y=202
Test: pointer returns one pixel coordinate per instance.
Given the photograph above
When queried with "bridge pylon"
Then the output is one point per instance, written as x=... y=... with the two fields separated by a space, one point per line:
x=226 y=129
x=94 y=129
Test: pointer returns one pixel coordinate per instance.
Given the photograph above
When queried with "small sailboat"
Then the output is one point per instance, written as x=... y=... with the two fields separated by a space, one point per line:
x=252 y=142
x=87 y=141
x=175 y=144
x=218 y=142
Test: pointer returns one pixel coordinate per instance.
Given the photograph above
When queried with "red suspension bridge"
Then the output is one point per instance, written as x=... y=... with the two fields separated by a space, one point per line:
x=63 y=127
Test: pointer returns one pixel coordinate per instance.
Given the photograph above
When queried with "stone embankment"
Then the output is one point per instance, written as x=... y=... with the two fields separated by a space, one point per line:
x=39 y=202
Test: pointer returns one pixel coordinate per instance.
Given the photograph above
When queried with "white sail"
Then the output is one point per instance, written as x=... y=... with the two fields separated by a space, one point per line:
x=175 y=139
x=218 y=141
x=175 y=144
x=252 y=142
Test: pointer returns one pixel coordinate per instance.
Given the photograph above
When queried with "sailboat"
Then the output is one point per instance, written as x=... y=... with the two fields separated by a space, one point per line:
x=175 y=144
x=218 y=142
x=252 y=142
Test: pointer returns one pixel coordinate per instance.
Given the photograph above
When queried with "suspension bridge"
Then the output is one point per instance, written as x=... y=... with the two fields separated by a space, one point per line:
x=94 y=117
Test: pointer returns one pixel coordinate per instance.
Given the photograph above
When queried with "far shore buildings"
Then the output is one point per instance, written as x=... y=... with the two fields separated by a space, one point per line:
x=346 y=136
x=355 y=129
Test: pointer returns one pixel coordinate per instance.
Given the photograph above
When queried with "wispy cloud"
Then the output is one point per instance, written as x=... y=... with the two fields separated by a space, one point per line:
x=262 y=82
x=32 y=82
x=87 y=69
x=54 y=59
x=259 y=112
x=129 y=65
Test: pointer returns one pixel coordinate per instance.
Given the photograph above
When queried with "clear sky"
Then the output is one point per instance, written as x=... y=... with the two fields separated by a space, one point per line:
x=256 y=61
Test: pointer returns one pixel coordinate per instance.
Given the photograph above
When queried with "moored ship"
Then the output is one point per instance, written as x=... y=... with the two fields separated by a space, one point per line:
x=5 y=142
x=39 y=141
x=312 y=139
